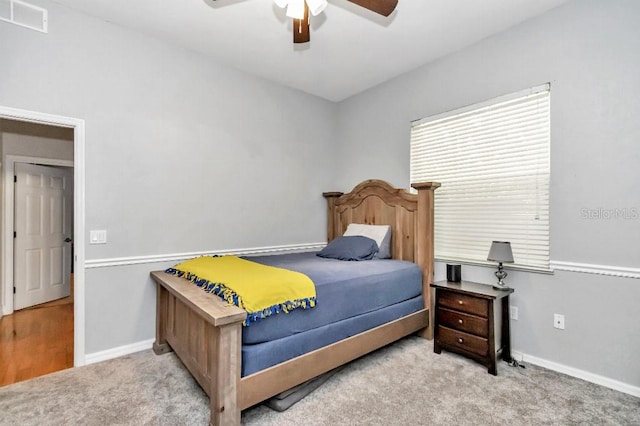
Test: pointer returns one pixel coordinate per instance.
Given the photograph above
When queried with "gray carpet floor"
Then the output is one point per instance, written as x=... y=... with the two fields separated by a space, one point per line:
x=402 y=384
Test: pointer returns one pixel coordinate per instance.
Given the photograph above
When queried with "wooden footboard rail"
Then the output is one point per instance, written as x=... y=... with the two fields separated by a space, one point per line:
x=205 y=333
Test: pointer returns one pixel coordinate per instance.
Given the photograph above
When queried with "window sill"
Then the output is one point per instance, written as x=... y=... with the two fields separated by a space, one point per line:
x=508 y=267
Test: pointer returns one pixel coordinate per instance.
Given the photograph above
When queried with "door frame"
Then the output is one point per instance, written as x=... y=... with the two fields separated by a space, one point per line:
x=6 y=287
x=8 y=210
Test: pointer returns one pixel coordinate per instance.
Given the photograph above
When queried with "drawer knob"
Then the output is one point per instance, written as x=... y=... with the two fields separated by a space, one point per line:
x=460 y=321
x=460 y=340
x=460 y=302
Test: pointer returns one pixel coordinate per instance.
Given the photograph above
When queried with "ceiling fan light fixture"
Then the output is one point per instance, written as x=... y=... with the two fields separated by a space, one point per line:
x=295 y=9
x=316 y=6
x=300 y=10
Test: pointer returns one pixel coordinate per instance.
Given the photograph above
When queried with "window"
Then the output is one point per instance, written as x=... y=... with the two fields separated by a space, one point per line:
x=492 y=160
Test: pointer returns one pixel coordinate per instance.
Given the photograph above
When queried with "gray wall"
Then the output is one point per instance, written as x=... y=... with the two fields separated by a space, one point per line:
x=590 y=52
x=36 y=146
x=182 y=154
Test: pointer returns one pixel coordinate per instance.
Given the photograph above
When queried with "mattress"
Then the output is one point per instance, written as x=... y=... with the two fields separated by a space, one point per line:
x=263 y=355
x=344 y=290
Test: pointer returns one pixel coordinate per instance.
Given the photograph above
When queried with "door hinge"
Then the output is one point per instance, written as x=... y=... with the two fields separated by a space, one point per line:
x=15 y=178
x=14 y=290
x=14 y=234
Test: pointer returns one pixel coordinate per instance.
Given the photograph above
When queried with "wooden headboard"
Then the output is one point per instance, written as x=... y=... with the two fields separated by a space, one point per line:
x=375 y=202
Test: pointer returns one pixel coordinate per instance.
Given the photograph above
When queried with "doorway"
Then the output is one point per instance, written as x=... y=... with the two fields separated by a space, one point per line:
x=76 y=126
x=37 y=338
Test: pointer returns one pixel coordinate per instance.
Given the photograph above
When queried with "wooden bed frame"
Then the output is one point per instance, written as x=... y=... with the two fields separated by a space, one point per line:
x=206 y=333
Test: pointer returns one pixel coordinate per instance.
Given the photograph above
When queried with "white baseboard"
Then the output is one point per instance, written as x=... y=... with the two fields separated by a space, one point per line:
x=118 y=352
x=580 y=374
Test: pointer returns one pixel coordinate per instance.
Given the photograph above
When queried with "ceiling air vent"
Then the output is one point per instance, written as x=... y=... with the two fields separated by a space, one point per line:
x=24 y=14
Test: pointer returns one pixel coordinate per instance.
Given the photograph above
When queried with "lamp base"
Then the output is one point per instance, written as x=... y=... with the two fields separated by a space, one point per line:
x=501 y=274
x=503 y=287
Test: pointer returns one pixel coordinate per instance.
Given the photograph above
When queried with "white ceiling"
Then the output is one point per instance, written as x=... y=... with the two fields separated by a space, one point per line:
x=351 y=48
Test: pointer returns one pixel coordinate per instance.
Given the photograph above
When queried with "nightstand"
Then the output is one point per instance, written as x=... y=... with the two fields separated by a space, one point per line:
x=472 y=319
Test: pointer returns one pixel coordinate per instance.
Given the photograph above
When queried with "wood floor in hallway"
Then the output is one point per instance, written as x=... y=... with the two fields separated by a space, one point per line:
x=36 y=341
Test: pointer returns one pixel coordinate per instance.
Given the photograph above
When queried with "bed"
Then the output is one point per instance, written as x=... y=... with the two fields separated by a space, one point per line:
x=206 y=333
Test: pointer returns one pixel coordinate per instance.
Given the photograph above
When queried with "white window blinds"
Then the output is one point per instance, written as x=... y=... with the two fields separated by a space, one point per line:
x=492 y=160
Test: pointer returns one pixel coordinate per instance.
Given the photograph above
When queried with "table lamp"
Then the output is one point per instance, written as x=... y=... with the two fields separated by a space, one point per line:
x=501 y=252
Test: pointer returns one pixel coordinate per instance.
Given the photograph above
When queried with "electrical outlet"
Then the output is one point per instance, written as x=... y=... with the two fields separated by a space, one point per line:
x=558 y=321
x=514 y=313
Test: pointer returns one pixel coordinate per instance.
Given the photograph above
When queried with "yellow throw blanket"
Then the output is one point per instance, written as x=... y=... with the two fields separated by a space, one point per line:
x=258 y=289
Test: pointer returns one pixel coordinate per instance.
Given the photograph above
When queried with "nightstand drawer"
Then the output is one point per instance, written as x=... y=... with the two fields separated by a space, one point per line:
x=463 y=322
x=466 y=341
x=464 y=303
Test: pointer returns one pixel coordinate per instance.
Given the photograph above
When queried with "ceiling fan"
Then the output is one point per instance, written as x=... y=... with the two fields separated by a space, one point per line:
x=299 y=10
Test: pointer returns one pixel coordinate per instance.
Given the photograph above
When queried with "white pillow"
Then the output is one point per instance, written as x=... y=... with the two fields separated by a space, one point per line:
x=381 y=234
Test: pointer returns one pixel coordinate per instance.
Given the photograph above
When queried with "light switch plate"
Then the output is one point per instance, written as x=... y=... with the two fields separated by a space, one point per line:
x=98 y=237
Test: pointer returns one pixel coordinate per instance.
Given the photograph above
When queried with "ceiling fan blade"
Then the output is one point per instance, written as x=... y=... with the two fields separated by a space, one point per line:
x=382 y=7
x=301 y=32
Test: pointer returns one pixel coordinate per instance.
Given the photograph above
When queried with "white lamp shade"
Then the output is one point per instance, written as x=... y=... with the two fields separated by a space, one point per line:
x=500 y=252
x=295 y=9
x=316 y=6
x=281 y=3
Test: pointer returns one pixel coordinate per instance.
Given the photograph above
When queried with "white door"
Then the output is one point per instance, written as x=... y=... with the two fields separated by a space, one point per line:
x=43 y=216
